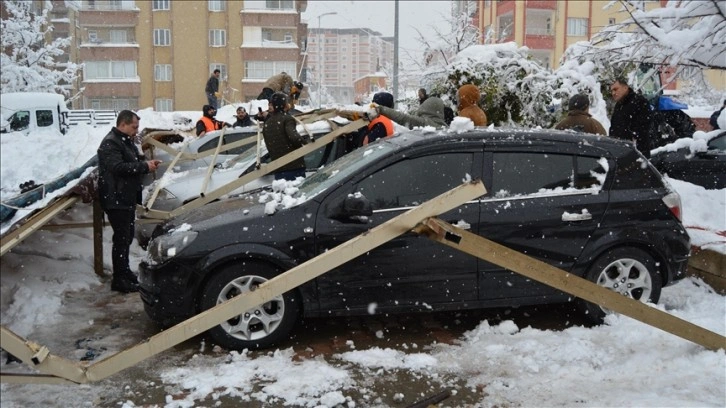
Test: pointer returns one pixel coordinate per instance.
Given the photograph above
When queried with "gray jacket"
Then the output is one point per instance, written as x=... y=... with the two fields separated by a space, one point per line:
x=431 y=113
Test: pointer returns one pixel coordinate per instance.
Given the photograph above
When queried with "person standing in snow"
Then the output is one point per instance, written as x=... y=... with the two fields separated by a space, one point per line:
x=380 y=127
x=468 y=96
x=579 y=119
x=632 y=118
x=120 y=171
x=212 y=89
x=281 y=137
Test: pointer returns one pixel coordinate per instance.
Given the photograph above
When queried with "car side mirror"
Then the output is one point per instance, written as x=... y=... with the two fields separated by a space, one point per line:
x=353 y=208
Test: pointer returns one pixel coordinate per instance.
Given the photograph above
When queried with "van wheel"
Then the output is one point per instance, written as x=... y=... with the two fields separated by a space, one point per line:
x=260 y=327
x=628 y=271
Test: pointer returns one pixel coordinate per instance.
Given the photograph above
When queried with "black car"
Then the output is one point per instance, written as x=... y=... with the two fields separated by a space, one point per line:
x=587 y=204
x=704 y=168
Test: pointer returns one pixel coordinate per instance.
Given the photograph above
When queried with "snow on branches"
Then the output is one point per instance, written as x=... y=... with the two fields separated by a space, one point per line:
x=29 y=61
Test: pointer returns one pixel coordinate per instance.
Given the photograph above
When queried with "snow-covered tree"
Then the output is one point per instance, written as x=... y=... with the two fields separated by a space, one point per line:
x=682 y=35
x=29 y=59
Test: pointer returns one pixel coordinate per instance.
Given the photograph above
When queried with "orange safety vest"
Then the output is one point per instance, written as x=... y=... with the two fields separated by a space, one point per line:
x=387 y=123
x=210 y=124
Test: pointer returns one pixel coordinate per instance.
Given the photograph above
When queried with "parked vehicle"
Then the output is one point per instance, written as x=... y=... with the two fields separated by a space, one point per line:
x=28 y=111
x=585 y=204
x=705 y=168
x=188 y=186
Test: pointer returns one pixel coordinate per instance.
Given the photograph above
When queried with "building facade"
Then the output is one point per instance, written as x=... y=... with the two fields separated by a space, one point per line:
x=160 y=53
x=549 y=27
x=338 y=57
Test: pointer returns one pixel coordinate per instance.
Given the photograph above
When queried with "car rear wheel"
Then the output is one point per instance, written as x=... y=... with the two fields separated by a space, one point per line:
x=628 y=271
x=259 y=327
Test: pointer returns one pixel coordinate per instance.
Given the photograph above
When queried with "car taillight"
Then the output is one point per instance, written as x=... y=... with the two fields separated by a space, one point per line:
x=673 y=201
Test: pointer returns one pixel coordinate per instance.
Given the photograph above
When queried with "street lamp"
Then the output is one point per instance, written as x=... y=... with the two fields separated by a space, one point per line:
x=321 y=60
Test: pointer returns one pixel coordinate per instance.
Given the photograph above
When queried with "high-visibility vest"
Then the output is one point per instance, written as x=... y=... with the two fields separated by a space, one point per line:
x=210 y=124
x=387 y=123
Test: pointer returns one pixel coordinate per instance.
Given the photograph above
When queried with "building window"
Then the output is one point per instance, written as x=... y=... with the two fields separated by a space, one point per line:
x=160 y=5
x=118 y=36
x=216 y=5
x=163 y=105
x=162 y=36
x=162 y=72
x=266 y=69
x=288 y=37
x=577 y=27
x=279 y=4
x=222 y=70
x=93 y=36
x=217 y=38
x=109 y=70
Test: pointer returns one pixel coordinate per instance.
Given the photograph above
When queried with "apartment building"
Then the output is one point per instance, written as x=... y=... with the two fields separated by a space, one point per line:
x=338 y=57
x=548 y=27
x=160 y=53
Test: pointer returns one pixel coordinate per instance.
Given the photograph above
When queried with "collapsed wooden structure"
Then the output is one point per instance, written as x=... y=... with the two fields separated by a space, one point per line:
x=422 y=220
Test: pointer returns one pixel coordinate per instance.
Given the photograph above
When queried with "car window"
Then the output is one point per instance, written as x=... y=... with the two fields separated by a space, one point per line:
x=520 y=173
x=236 y=137
x=718 y=143
x=44 y=118
x=20 y=120
x=211 y=144
x=411 y=182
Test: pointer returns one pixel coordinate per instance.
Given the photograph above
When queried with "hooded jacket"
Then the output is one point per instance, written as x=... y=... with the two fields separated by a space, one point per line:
x=581 y=121
x=431 y=113
x=468 y=99
x=281 y=137
x=281 y=82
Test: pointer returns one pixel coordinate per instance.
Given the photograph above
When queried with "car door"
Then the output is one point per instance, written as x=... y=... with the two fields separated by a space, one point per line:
x=410 y=271
x=543 y=201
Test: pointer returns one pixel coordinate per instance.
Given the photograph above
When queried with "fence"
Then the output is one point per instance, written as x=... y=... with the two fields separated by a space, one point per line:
x=92 y=117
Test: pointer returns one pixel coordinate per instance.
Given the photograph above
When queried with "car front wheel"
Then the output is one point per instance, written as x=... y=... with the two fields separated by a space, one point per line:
x=628 y=271
x=262 y=326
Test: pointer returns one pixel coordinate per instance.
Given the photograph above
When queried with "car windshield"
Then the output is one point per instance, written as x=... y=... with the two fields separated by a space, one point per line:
x=342 y=168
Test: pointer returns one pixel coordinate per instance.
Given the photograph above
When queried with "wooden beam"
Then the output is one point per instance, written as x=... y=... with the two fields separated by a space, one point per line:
x=532 y=268
x=286 y=281
x=98 y=238
x=263 y=170
x=34 y=223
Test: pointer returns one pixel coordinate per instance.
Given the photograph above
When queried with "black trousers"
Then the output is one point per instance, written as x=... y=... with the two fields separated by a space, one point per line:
x=122 y=223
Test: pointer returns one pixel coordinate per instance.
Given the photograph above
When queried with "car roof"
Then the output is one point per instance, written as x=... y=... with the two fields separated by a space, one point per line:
x=511 y=136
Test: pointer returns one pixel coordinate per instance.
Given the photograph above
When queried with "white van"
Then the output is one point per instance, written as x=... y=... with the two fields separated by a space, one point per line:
x=28 y=111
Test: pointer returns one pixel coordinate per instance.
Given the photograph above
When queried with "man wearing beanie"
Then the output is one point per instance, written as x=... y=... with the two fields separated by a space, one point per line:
x=207 y=122
x=579 y=119
x=381 y=126
x=281 y=138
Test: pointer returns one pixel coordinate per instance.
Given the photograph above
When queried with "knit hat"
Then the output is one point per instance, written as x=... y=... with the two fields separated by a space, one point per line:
x=383 y=99
x=579 y=102
x=278 y=100
x=206 y=108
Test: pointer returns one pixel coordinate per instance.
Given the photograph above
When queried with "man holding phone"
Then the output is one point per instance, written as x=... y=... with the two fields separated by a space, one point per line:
x=120 y=172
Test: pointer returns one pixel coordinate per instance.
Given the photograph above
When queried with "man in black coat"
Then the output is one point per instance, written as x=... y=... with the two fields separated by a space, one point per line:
x=281 y=137
x=212 y=89
x=243 y=119
x=632 y=117
x=120 y=171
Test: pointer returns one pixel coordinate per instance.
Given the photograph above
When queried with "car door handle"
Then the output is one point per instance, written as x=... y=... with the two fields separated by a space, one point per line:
x=583 y=216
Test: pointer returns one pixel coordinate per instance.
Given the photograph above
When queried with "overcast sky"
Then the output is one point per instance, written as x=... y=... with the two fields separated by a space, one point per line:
x=378 y=15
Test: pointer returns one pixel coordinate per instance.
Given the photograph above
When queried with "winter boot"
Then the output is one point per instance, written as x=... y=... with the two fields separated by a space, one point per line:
x=125 y=283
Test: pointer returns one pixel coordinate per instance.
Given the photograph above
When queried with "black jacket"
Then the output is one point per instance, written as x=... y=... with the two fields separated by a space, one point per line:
x=247 y=121
x=714 y=119
x=633 y=120
x=120 y=172
x=212 y=85
x=281 y=138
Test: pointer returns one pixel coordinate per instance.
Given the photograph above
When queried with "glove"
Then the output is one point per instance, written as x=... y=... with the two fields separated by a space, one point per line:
x=217 y=94
x=373 y=112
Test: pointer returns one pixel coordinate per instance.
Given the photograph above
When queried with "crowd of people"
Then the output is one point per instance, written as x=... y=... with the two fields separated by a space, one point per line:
x=122 y=164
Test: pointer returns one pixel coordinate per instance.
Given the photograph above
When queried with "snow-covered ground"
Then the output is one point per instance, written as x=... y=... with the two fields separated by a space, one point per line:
x=621 y=363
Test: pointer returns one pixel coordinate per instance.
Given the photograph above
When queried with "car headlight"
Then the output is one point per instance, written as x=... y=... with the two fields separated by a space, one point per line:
x=168 y=246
